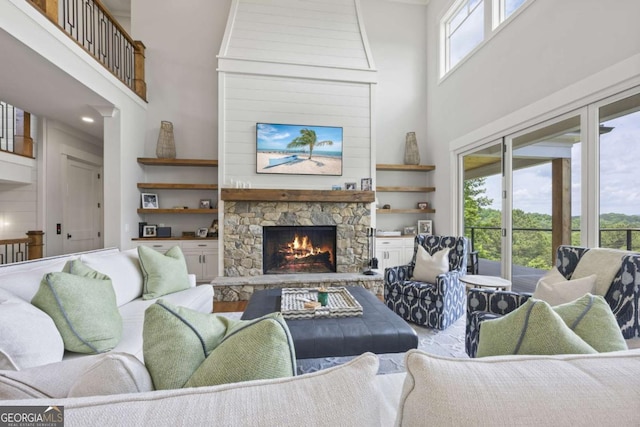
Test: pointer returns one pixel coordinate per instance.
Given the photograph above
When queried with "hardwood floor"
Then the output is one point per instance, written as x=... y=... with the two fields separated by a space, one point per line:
x=228 y=306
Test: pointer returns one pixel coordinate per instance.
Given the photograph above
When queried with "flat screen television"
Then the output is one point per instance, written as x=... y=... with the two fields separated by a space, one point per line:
x=298 y=149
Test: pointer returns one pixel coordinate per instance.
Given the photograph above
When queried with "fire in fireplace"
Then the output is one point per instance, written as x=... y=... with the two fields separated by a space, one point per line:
x=299 y=249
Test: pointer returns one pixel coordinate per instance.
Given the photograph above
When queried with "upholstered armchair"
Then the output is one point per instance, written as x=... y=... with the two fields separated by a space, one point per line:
x=622 y=297
x=436 y=305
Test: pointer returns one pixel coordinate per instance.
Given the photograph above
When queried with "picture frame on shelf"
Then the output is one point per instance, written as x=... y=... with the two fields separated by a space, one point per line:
x=425 y=226
x=213 y=230
x=149 y=231
x=205 y=203
x=423 y=205
x=365 y=184
x=409 y=230
x=149 y=201
x=202 y=232
x=349 y=185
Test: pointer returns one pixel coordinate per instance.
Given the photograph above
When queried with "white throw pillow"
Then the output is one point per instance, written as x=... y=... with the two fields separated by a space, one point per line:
x=428 y=267
x=28 y=336
x=555 y=289
x=563 y=390
x=123 y=268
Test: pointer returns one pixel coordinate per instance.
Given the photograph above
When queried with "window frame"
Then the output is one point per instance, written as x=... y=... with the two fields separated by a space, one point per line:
x=494 y=21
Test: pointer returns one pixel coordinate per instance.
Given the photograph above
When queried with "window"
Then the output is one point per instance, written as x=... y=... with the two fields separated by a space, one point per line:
x=505 y=9
x=464 y=30
x=464 y=27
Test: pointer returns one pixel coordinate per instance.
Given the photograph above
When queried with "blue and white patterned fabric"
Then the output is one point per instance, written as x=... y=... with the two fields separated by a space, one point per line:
x=436 y=305
x=623 y=297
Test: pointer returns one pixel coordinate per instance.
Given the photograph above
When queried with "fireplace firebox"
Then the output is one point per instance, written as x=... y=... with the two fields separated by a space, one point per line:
x=299 y=249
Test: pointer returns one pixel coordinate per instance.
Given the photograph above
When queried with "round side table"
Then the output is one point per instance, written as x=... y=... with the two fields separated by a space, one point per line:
x=491 y=282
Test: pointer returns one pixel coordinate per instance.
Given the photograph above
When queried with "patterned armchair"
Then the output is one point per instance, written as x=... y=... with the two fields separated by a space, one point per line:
x=483 y=304
x=436 y=305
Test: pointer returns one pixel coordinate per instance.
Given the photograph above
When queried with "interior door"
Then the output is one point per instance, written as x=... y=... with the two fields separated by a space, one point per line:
x=82 y=206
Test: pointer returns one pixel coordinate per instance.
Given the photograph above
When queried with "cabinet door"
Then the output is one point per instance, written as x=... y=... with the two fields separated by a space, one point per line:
x=407 y=250
x=209 y=264
x=193 y=259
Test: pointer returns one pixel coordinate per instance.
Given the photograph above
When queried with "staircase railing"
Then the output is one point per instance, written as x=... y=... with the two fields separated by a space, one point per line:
x=90 y=24
x=22 y=249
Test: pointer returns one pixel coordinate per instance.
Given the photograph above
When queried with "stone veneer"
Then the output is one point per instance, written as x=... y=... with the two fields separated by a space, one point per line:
x=243 y=222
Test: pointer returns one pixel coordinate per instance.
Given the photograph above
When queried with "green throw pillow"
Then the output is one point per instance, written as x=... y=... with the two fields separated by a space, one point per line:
x=177 y=342
x=592 y=319
x=251 y=350
x=163 y=274
x=533 y=328
x=82 y=304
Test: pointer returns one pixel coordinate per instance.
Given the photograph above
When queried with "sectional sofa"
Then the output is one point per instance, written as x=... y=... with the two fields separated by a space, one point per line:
x=115 y=389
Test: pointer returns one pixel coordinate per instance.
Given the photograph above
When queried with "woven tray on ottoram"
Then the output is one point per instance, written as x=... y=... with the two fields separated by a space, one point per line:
x=340 y=303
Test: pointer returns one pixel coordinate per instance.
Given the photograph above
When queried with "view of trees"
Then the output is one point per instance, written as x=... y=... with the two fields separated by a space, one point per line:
x=309 y=138
x=532 y=231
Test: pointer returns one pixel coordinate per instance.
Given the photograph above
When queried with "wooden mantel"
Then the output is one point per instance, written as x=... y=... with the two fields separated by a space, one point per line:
x=270 y=195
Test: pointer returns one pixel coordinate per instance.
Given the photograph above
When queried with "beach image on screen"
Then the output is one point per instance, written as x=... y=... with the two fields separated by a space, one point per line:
x=299 y=150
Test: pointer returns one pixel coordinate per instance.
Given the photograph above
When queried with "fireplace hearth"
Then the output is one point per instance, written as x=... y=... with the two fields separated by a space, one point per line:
x=299 y=249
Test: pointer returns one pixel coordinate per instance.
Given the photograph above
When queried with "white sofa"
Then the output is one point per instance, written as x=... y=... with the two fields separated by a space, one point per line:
x=569 y=390
x=23 y=280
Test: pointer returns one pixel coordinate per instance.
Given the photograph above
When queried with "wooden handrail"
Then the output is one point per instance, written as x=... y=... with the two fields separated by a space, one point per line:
x=23 y=248
x=137 y=84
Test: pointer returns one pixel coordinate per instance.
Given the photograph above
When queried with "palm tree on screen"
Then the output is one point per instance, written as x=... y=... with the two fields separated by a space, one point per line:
x=307 y=137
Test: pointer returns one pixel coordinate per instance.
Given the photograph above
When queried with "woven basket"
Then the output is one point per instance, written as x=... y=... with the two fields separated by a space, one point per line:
x=166 y=148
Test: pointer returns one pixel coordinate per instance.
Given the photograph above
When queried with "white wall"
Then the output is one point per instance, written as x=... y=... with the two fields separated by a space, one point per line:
x=397 y=35
x=547 y=48
x=18 y=208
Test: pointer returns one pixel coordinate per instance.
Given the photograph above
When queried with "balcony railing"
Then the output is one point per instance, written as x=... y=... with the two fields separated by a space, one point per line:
x=22 y=249
x=15 y=131
x=90 y=24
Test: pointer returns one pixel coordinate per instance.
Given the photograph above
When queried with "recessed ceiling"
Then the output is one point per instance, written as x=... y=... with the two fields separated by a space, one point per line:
x=32 y=83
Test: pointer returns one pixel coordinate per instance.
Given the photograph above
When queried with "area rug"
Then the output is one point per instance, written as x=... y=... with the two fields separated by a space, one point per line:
x=449 y=342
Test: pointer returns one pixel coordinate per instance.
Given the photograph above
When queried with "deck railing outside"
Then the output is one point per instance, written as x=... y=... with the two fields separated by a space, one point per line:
x=90 y=24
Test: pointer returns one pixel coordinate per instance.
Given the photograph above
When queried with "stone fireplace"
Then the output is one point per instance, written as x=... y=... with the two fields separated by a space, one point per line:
x=245 y=221
x=298 y=249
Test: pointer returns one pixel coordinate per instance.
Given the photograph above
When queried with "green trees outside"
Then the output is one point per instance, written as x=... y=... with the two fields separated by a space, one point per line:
x=307 y=138
x=532 y=245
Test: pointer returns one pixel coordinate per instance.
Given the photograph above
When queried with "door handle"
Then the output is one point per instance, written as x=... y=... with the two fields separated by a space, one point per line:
x=68 y=236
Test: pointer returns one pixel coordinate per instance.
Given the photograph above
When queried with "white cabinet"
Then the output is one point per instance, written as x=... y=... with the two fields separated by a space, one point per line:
x=394 y=251
x=202 y=258
x=201 y=255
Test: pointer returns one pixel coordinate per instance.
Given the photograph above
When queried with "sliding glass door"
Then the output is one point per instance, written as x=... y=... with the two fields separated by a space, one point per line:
x=619 y=179
x=543 y=164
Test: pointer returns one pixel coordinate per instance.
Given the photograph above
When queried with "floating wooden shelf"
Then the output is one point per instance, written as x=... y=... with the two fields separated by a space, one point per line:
x=177 y=211
x=405 y=211
x=269 y=195
x=171 y=186
x=177 y=162
x=406 y=189
x=405 y=168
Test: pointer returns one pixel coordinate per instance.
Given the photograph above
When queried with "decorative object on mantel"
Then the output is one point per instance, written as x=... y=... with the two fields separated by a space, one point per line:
x=349 y=185
x=411 y=153
x=166 y=148
x=365 y=184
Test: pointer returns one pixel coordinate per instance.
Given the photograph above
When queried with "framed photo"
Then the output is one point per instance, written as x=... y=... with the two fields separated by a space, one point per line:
x=149 y=231
x=365 y=184
x=349 y=185
x=205 y=203
x=202 y=232
x=298 y=149
x=409 y=230
x=213 y=230
x=423 y=205
x=149 y=201
x=425 y=226
x=336 y=187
